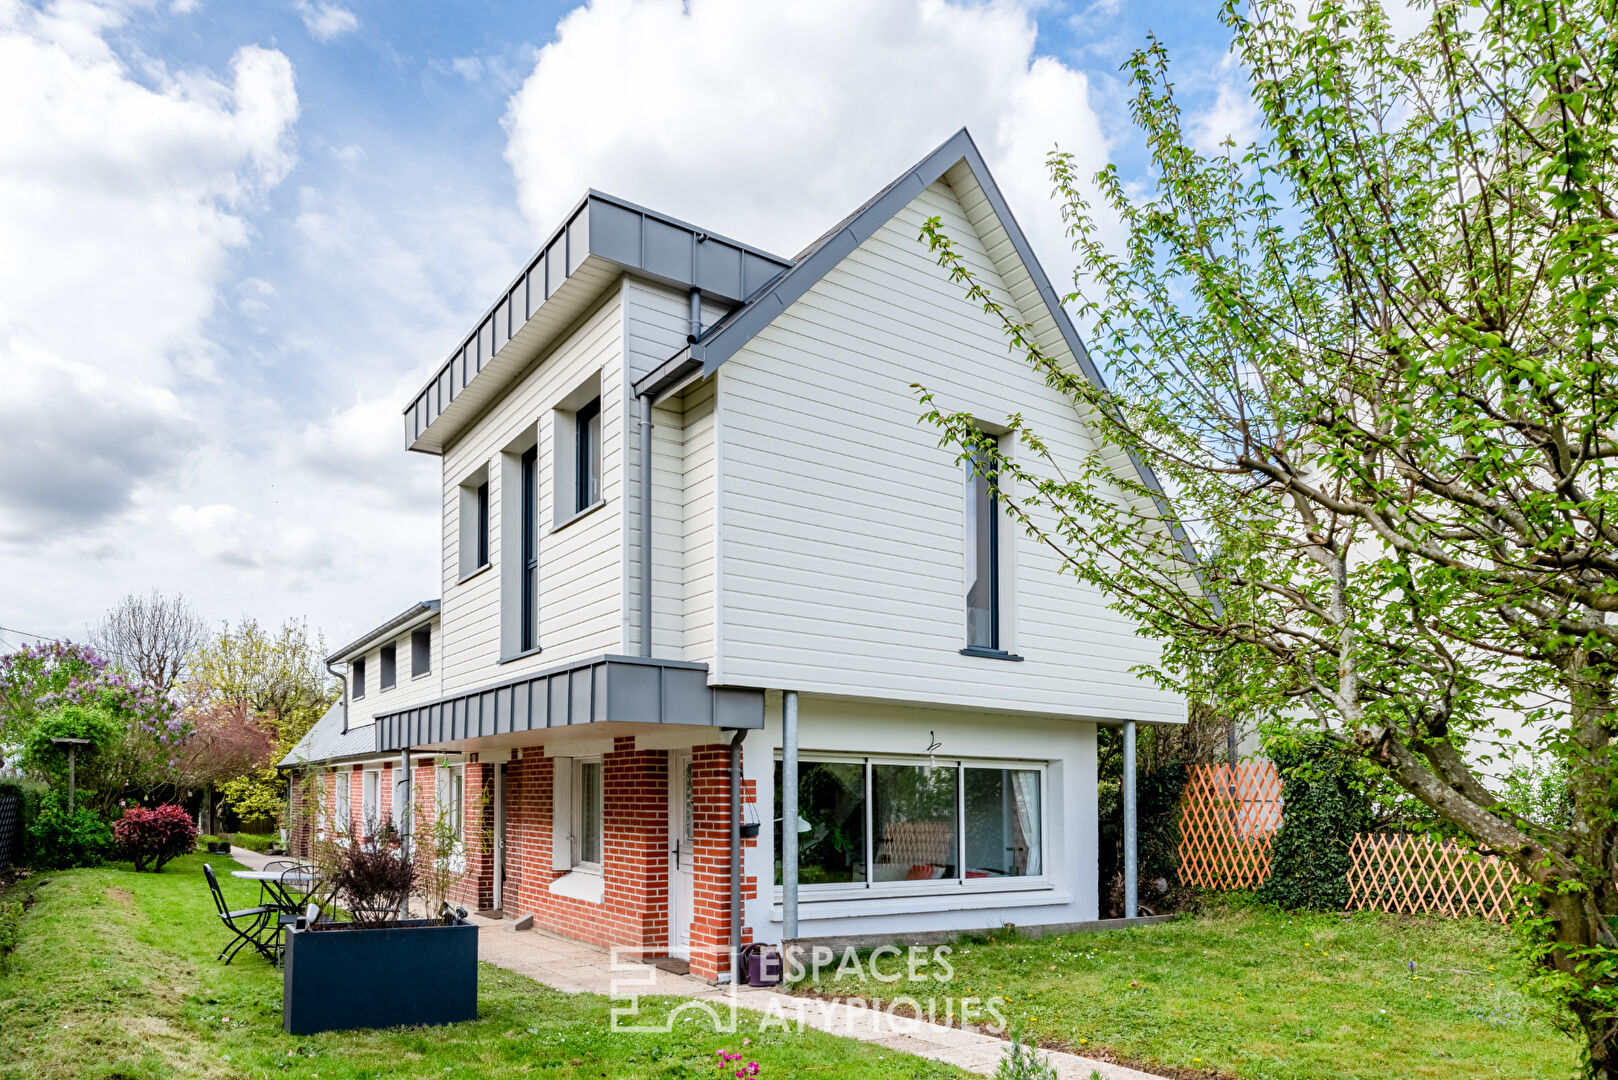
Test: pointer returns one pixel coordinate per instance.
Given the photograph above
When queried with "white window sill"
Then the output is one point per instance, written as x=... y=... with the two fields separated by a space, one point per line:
x=944 y=887
x=580 y=885
x=577 y=514
x=470 y=574
x=878 y=904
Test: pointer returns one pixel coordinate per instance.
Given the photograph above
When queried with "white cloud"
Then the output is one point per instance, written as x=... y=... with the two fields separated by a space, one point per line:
x=120 y=203
x=327 y=22
x=1233 y=115
x=769 y=122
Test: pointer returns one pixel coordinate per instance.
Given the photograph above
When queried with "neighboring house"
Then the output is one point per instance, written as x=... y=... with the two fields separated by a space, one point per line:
x=812 y=558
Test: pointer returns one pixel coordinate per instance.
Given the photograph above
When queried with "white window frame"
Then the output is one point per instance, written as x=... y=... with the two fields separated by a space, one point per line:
x=371 y=797
x=579 y=862
x=445 y=779
x=940 y=886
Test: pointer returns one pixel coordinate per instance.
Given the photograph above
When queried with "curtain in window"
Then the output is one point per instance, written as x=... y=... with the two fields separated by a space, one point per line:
x=1025 y=789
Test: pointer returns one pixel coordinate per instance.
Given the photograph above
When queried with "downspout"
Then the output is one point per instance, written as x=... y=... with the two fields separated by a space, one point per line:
x=736 y=856
x=789 y=816
x=342 y=680
x=1131 y=895
x=646 y=525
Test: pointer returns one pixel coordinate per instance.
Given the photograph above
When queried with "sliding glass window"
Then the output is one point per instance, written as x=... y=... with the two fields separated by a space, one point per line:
x=869 y=823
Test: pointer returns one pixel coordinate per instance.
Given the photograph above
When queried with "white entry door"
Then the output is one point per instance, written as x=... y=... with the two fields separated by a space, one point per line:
x=682 y=854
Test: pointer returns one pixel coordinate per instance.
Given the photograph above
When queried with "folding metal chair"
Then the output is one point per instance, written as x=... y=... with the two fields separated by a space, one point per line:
x=255 y=918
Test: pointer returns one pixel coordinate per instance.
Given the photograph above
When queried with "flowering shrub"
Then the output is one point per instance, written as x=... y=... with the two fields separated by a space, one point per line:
x=39 y=679
x=729 y=1062
x=154 y=836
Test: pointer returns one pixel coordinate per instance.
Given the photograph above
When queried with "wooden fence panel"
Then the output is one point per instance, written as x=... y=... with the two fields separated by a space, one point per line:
x=1419 y=875
x=1226 y=821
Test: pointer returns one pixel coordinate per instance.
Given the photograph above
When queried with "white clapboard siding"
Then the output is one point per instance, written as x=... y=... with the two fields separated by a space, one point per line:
x=581 y=566
x=843 y=550
x=700 y=494
x=407 y=690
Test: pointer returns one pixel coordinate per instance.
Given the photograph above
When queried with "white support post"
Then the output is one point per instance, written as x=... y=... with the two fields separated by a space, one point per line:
x=789 y=815
x=1131 y=888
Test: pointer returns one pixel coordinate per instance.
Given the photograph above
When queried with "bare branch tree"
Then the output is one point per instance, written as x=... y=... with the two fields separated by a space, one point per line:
x=150 y=636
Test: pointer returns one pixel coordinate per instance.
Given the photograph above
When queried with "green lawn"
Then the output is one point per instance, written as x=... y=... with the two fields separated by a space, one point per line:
x=1259 y=995
x=115 y=977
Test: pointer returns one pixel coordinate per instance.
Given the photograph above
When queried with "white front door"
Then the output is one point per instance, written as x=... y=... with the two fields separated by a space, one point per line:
x=682 y=852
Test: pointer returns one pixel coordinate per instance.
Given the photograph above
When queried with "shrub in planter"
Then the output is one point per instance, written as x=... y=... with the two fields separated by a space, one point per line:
x=154 y=836
x=370 y=880
x=58 y=840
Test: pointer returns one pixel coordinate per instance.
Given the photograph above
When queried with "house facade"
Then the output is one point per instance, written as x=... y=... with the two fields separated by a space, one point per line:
x=698 y=552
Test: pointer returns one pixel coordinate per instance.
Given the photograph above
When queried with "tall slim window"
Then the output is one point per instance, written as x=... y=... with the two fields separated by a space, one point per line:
x=483 y=523
x=587 y=789
x=358 y=668
x=529 y=587
x=390 y=668
x=587 y=455
x=983 y=556
x=421 y=651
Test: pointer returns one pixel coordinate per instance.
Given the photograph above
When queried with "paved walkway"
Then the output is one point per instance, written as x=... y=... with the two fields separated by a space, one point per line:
x=570 y=965
x=584 y=969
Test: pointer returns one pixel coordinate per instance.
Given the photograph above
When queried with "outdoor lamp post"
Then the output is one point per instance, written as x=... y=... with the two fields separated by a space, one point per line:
x=72 y=751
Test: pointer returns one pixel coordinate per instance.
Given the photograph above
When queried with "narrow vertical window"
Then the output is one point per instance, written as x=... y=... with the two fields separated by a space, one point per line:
x=421 y=651
x=483 y=523
x=389 y=667
x=529 y=587
x=983 y=555
x=358 y=668
x=588 y=791
x=587 y=455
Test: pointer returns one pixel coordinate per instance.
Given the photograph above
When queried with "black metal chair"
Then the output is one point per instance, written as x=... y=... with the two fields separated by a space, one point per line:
x=255 y=919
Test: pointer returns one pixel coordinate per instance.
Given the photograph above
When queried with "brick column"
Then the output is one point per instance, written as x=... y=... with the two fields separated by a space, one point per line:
x=710 y=925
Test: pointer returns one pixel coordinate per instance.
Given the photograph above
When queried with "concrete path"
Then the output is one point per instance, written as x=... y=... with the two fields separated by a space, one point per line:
x=578 y=968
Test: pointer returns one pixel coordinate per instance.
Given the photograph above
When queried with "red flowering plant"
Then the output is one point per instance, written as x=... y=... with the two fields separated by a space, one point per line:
x=154 y=836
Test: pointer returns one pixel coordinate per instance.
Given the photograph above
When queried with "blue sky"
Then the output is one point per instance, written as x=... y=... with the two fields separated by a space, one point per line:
x=235 y=236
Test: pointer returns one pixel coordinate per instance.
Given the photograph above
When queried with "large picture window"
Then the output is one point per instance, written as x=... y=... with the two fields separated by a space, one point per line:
x=879 y=821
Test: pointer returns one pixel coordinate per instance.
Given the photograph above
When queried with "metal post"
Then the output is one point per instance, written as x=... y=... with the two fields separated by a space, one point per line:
x=736 y=854
x=789 y=815
x=1131 y=895
x=403 y=804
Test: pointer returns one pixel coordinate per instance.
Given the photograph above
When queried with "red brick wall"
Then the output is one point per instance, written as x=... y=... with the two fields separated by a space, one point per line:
x=710 y=923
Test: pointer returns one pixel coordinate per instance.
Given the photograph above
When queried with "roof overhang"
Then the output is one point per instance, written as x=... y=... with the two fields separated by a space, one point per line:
x=600 y=690
x=408 y=619
x=601 y=239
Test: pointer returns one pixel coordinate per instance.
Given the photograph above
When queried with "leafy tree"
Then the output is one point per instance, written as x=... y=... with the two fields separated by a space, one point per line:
x=280 y=677
x=1370 y=357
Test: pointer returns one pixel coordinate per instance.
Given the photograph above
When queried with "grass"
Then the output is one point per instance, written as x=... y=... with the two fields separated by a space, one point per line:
x=1243 y=991
x=114 y=978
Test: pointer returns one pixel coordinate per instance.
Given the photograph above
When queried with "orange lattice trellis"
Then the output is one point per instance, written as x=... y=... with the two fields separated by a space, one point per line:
x=1416 y=874
x=1226 y=821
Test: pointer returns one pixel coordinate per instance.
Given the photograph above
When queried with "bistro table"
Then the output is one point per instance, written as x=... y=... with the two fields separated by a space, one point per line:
x=277 y=885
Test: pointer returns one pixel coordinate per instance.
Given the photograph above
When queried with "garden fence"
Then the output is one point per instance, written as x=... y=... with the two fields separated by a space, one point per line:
x=10 y=828
x=1228 y=818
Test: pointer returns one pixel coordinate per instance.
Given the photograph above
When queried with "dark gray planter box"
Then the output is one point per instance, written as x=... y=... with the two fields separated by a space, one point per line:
x=416 y=973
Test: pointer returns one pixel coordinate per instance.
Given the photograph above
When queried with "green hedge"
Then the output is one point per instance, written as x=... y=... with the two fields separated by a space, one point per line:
x=1326 y=803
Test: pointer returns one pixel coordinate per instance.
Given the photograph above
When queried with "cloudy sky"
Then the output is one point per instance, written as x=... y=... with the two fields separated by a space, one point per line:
x=234 y=238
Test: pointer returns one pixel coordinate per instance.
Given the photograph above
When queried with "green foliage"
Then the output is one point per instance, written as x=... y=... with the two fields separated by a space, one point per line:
x=1023 y=1061
x=30 y=792
x=1325 y=806
x=44 y=758
x=279 y=675
x=59 y=839
x=257 y=795
x=259 y=842
x=10 y=924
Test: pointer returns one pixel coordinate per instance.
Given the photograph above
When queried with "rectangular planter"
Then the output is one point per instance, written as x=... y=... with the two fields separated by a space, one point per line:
x=416 y=973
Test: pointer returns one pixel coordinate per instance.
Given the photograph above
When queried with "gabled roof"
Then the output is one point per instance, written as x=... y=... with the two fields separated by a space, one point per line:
x=414 y=613
x=727 y=336
x=327 y=741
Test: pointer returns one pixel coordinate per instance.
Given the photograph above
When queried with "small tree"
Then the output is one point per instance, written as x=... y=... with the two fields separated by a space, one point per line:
x=154 y=836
